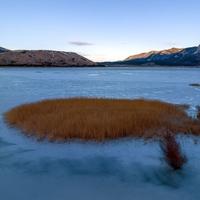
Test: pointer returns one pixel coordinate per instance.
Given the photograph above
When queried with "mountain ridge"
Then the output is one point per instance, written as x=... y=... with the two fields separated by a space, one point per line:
x=162 y=52
x=2 y=50
x=169 y=57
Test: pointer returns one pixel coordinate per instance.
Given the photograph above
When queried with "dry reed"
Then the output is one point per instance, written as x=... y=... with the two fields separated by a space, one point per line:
x=198 y=112
x=172 y=152
x=100 y=119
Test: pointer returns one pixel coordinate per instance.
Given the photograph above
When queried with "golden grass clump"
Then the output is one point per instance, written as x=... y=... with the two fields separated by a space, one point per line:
x=172 y=152
x=100 y=119
x=198 y=112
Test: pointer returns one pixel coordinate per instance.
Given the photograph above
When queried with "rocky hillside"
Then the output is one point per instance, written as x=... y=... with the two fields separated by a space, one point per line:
x=42 y=58
x=151 y=53
x=170 y=57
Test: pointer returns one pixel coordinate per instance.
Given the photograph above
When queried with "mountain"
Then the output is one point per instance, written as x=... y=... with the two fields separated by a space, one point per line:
x=151 y=53
x=169 y=57
x=2 y=50
x=43 y=58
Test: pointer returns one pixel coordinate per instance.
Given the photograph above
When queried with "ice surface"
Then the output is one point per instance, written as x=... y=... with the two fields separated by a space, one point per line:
x=120 y=170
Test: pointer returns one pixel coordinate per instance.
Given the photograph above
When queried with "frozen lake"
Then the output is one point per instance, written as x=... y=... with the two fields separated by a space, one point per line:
x=119 y=170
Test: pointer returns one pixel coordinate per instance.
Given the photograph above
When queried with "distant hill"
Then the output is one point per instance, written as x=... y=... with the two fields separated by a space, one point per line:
x=42 y=58
x=152 y=53
x=169 y=57
x=2 y=50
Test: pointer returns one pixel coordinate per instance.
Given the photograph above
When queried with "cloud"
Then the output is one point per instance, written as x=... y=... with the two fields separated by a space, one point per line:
x=80 y=43
x=171 y=43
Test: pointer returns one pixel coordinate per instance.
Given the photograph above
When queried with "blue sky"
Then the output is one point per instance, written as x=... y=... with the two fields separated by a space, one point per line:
x=99 y=29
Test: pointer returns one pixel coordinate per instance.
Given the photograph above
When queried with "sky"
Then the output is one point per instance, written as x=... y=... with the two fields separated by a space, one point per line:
x=101 y=30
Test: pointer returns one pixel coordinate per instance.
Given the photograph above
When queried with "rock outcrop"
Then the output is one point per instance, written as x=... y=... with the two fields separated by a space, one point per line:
x=43 y=58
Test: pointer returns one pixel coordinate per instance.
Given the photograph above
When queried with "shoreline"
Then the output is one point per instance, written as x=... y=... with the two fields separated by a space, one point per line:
x=100 y=66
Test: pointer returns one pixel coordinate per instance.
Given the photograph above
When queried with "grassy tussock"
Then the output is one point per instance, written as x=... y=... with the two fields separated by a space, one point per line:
x=100 y=119
x=172 y=152
x=198 y=112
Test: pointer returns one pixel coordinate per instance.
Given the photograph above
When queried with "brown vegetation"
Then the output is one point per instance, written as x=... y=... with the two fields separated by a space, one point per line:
x=172 y=152
x=198 y=112
x=100 y=119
